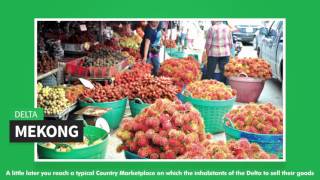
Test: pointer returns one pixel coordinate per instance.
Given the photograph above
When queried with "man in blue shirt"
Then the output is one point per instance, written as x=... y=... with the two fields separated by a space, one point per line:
x=150 y=45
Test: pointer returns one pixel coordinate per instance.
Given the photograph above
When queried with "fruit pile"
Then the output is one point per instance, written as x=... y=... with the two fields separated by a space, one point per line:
x=169 y=130
x=46 y=63
x=138 y=83
x=240 y=149
x=253 y=67
x=74 y=92
x=52 y=99
x=112 y=44
x=130 y=42
x=107 y=93
x=80 y=37
x=257 y=118
x=162 y=131
x=150 y=88
x=182 y=71
x=170 y=43
x=133 y=52
x=209 y=90
x=130 y=58
x=126 y=78
x=103 y=57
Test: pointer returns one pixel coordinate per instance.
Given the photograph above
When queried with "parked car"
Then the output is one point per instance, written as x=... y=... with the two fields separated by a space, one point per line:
x=259 y=35
x=245 y=33
x=272 y=48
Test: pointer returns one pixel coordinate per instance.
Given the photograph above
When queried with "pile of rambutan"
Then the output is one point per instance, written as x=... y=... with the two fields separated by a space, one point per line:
x=210 y=90
x=169 y=130
x=257 y=118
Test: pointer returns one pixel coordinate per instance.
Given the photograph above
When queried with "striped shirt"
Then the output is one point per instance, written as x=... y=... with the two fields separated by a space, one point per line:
x=219 y=40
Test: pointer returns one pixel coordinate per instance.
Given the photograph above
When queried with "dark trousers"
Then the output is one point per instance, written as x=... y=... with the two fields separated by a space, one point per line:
x=155 y=62
x=211 y=67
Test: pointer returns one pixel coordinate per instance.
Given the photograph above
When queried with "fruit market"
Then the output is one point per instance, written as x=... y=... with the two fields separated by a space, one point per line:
x=144 y=90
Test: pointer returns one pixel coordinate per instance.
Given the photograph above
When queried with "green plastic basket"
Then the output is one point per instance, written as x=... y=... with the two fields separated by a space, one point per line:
x=115 y=115
x=175 y=53
x=136 y=106
x=97 y=151
x=130 y=155
x=195 y=56
x=212 y=112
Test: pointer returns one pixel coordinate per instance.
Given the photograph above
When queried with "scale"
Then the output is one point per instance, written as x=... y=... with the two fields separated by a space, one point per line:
x=92 y=116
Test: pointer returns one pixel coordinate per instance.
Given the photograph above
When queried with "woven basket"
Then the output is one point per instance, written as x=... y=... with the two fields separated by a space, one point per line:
x=212 y=112
x=271 y=143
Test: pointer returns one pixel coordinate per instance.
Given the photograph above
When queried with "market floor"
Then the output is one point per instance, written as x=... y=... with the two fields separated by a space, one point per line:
x=272 y=93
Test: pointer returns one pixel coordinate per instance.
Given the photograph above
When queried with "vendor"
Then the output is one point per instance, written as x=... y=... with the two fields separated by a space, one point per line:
x=218 y=45
x=150 y=46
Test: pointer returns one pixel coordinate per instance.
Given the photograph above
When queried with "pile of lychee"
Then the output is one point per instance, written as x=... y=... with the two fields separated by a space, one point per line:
x=257 y=118
x=209 y=90
x=169 y=130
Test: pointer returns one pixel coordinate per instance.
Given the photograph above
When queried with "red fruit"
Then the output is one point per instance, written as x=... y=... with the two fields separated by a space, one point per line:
x=181 y=137
x=163 y=141
x=162 y=155
x=181 y=150
x=166 y=147
x=139 y=134
x=154 y=150
x=136 y=126
x=266 y=129
x=220 y=155
x=263 y=155
x=139 y=127
x=209 y=136
x=186 y=118
x=143 y=152
x=178 y=121
x=273 y=156
x=142 y=141
x=164 y=118
x=126 y=124
x=269 y=118
x=173 y=142
x=150 y=133
x=154 y=156
x=276 y=121
x=152 y=122
x=170 y=154
x=187 y=128
x=260 y=126
x=133 y=146
x=244 y=143
x=122 y=148
x=151 y=113
x=202 y=136
x=163 y=133
x=255 y=147
x=156 y=139
x=166 y=125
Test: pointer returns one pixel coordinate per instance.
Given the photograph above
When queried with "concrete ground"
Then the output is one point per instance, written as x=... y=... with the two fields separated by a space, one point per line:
x=272 y=93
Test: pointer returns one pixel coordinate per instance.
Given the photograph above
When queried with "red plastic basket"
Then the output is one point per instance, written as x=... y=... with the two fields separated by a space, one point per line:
x=248 y=89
